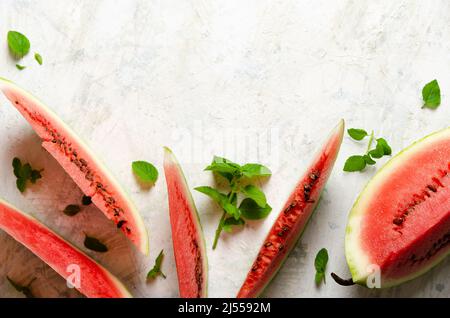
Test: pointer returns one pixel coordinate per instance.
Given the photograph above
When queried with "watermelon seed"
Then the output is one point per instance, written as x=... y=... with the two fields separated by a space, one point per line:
x=432 y=188
x=268 y=244
x=314 y=176
x=290 y=207
x=398 y=221
x=254 y=268
x=341 y=281
x=281 y=247
x=121 y=223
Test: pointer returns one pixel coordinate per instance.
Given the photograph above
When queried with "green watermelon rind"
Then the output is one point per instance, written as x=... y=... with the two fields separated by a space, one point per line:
x=351 y=253
x=173 y=160
x=144 y=244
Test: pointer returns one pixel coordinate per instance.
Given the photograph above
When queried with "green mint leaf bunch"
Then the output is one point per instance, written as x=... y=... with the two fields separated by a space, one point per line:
x=320 y=263
x=19 y=46
x=253 y=205
x=24 y=173
x=360 y=162
x=156 y=270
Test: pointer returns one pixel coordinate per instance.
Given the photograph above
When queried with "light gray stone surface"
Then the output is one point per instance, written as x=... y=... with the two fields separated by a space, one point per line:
x=226 y=78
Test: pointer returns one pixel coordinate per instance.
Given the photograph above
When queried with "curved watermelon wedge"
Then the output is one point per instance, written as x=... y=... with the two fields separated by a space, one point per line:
x=187 y=235
x=80 y=163
x=95 y=281
x=400 y=224
x=293 y=218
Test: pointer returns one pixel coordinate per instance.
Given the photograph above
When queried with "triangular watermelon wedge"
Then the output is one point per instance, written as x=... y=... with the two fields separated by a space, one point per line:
x=80 y=163
x=293 y=218
x=187 y=235
x=95 y=281
x=399 y=227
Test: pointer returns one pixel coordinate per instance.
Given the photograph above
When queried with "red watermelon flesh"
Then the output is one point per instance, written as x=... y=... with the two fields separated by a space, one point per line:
x=187 y=236
x=95 y=281
x=293 y=218
x=401 y=221
x=80 y=163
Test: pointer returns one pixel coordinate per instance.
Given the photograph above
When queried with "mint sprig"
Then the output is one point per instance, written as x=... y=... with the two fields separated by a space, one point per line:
x=253 y=203
x=359 y=162
x=24 y=173
x=156 y=270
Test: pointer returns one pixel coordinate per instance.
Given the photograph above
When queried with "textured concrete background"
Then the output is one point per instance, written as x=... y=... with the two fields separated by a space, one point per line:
x=254 y=80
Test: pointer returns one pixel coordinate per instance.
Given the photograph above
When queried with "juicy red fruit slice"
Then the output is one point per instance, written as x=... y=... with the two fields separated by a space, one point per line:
x=187 y=236
x=293 y=218
x=95 y=281
x=80 y=163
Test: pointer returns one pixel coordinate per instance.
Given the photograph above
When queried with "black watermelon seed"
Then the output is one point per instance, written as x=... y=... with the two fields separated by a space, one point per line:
x=86 y=200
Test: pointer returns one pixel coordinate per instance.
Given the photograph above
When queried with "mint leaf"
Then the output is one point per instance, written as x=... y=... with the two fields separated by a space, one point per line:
x=357 y=134
x=251 y=170
x=355 y=163
x=252 y=211
x=35 y=175
x=156 y=270
x=145 y=171
x=72 y=209
x=222 y=167
x=320 y=264
x=382 y=144
x=255 y=193
x=17 y=166
x=382 y=149
x=221 y=199
x=228 y=223
x=21 y=184
x=20 y=67
x=369 y=160
x=18 y=44
x=94 y=244
x=38 y=58
x=431 y=94
x=24 y=173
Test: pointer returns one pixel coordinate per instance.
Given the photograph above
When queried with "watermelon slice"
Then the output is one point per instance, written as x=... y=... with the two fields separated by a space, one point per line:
x=80 y=163
x=293 y=218
x=95 y=281
x=400 y=223
x=187 y=235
